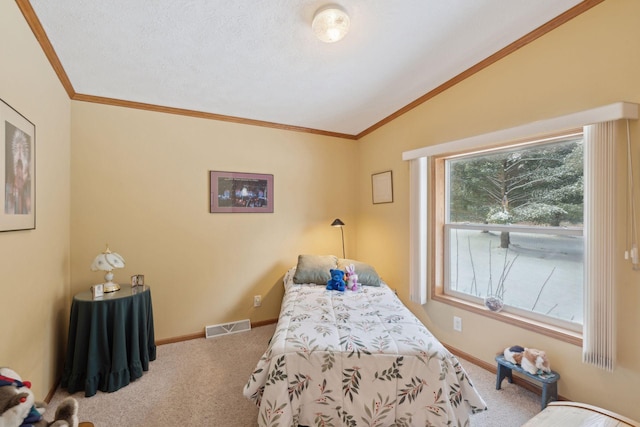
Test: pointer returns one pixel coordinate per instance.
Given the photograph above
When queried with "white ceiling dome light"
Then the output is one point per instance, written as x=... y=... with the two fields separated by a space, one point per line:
x=330 y=23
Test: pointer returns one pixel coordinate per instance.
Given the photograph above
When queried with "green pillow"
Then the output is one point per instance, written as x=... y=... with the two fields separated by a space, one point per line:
x=314 y=269
x=367 y=275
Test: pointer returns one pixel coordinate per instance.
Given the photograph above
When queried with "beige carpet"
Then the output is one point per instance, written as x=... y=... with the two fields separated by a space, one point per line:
x=199 y=383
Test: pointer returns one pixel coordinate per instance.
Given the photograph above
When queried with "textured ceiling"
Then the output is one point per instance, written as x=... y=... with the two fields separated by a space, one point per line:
x=260 y=61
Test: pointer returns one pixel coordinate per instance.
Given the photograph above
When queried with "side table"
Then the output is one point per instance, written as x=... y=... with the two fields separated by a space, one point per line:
x=111 y=340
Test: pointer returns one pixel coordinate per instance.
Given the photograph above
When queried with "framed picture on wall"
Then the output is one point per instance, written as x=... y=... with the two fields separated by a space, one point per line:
x=382 y=187
x=17 y=170
x=233 y=192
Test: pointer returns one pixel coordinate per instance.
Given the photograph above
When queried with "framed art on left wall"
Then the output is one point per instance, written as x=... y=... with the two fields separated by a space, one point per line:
x=17 y=170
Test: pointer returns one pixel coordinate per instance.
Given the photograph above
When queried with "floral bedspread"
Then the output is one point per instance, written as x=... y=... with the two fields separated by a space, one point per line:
x=357 y=359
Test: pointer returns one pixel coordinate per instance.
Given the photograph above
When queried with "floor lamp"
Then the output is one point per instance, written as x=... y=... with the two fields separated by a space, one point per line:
x=337 y=223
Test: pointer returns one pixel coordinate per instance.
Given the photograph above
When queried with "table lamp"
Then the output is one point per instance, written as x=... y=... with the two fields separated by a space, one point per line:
x=107 y=261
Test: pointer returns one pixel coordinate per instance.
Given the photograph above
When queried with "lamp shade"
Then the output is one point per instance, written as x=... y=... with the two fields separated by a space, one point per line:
x=107 y=261
x=337 y=223
x=330 y=24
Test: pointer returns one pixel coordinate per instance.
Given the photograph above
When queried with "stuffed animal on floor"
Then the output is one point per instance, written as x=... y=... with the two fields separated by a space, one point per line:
x=336 y=283
x=351 y=278
x=531 y=360
x=18 y=407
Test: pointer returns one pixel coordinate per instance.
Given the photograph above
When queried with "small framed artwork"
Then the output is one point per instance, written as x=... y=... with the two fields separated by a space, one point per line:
x=382 y=187
x=233 y=192
x=17 y=170
x=97 y=291
x=137 y=280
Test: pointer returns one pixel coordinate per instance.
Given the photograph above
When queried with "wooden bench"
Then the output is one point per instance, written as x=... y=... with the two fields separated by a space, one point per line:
x=548 y=381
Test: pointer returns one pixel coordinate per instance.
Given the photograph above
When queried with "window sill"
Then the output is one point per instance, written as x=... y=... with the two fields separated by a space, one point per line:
x=562 y=334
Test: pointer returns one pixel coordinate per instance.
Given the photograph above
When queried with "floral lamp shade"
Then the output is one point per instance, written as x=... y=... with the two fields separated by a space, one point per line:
x=108 y=261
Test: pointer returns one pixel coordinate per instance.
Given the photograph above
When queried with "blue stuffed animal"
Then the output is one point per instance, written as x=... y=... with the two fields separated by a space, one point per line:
x=336 y=283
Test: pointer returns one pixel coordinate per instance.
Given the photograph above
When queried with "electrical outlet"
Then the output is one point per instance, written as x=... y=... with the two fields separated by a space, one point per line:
x=457 y=323
x=257 y=301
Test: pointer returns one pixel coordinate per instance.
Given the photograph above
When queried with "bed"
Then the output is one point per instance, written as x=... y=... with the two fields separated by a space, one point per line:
x=356 y=358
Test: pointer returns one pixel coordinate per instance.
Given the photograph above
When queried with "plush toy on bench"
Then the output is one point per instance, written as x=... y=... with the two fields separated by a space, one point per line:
x=18 y=406
x=531 y=360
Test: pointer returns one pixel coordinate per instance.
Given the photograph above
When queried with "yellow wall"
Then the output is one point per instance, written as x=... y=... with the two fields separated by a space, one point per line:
x=34 y=264
x=591 y=61
x=140 y=183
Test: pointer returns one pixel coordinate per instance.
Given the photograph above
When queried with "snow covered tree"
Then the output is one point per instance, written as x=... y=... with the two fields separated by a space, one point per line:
x=541 y=184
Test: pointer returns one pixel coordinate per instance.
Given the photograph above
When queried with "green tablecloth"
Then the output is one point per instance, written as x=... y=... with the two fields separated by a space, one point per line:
x=111 y=340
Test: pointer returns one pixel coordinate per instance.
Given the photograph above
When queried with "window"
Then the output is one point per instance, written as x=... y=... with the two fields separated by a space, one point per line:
x=603 y=134
x=509 y=227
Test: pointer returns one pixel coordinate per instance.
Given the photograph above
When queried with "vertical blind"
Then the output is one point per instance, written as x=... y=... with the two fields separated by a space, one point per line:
x=418 y=225
x=598 y=336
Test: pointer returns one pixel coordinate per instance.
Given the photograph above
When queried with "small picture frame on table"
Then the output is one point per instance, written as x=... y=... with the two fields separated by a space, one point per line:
x=97 y=291
x=137 y=280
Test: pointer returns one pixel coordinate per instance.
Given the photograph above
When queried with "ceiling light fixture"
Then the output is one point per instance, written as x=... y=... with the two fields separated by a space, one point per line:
x=330 y=23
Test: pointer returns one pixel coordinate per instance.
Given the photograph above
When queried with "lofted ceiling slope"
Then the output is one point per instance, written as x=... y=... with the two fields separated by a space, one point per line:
x=258 y=62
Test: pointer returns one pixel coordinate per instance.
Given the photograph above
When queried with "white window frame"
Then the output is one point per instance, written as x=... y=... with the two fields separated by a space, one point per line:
x=448 y=226
x=423 y=256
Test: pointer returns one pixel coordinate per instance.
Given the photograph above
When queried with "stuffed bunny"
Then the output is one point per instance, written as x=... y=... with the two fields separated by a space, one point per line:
x=352 y=278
